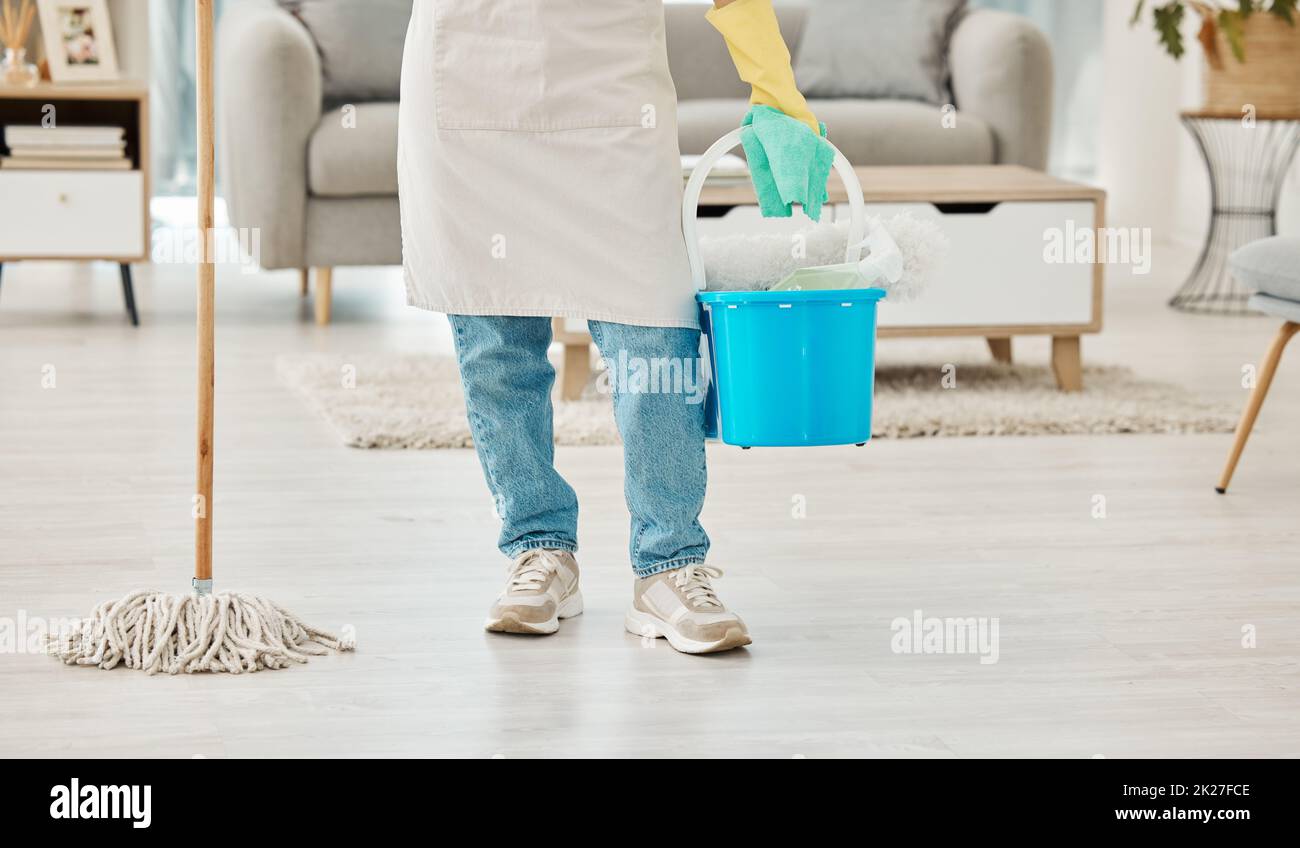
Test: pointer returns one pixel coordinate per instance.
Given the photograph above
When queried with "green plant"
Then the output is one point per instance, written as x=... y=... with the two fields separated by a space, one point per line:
x=1226 y=16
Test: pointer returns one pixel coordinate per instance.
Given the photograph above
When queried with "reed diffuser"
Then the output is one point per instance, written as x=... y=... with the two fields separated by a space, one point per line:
x=15 y=28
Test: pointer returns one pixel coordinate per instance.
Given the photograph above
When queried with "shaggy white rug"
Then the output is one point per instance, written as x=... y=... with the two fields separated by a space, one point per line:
x=415 y=401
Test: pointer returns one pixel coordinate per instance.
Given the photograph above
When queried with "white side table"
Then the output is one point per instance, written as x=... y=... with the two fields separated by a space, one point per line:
x=75 y=214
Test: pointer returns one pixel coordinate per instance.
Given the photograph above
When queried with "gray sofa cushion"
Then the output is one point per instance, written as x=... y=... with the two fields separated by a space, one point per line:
x=360 y=44
x=353 y=161
x=877 y=48
x=1270 y=266
x=868 y=132
x=362 y=160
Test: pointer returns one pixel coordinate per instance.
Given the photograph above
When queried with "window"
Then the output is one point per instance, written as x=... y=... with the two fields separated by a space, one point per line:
x=1075 y=31
x=171 y=43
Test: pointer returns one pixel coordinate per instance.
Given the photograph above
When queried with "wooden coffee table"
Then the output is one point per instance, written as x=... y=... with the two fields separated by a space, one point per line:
x=997 y=281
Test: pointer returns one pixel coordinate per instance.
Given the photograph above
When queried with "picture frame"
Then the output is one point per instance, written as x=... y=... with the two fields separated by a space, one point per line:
x=78 y=40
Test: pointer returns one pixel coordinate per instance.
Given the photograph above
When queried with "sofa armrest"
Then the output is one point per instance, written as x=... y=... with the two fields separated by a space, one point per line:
x=269 y=103
x=1001 y=68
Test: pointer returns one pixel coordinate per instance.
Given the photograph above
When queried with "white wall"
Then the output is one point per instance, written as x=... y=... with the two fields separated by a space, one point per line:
x=1143 y=145
x=131 y=35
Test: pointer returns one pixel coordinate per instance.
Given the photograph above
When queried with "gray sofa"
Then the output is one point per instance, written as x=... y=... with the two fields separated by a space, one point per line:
x=326 y=196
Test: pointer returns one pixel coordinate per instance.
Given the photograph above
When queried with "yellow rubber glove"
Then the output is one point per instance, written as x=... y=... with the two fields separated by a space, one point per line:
x=754 y=40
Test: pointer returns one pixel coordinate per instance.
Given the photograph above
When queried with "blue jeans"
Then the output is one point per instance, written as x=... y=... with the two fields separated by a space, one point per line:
x=508 y=381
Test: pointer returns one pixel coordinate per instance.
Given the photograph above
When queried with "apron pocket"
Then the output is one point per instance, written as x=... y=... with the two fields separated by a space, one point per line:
x=486 y=82
x=547 y=65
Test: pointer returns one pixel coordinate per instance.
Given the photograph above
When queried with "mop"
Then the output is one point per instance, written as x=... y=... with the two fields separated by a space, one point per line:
x=230 y=632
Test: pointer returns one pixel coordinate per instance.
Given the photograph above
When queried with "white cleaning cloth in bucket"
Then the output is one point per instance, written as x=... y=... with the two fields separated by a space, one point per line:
x=759 y=262
x=882 y=265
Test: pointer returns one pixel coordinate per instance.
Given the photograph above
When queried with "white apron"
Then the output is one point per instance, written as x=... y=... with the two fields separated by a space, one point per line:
x=538 y=163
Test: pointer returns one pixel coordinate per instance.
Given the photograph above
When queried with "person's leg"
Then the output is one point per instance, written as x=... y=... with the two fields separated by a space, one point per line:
x=508 y=380
x=655 y=374
x=658 y=386
x=655 y=379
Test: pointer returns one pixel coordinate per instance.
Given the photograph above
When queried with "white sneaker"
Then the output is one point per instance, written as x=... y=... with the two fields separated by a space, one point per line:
x=682 y=607
x=541 y=590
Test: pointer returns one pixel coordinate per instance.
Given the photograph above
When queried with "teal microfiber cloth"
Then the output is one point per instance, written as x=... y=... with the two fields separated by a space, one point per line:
x=787 y=163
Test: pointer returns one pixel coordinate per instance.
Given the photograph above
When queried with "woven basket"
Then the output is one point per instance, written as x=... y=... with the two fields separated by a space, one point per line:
x=1269 y=79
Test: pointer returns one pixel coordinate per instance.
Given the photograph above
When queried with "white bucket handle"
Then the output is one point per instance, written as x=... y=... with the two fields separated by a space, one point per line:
x=724 y=145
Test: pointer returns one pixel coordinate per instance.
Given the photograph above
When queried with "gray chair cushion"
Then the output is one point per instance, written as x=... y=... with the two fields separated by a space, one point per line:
x=354 y=161
x=1287 y=310
x=877 y=48
x=360 y=44
x=1269 y=266
x=868 y=132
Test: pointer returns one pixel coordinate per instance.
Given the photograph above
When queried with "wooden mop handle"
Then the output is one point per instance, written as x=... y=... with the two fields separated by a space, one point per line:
x=206 y=296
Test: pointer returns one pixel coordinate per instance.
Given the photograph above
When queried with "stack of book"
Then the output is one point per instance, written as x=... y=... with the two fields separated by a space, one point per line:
x=65 y=149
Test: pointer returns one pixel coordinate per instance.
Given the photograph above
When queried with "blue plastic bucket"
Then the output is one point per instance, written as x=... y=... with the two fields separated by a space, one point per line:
x=790 y=369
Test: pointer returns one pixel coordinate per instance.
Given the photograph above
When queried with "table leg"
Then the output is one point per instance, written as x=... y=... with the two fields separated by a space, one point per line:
x=1001 y=350
x=1067 y=363
x=575 y=370
x=128 y=294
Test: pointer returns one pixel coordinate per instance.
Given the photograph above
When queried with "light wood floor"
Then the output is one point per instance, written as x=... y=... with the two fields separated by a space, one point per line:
x=1119 y=636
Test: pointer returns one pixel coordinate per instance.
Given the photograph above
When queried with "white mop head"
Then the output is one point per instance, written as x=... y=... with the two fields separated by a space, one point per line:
x=758 y=262
x=157 y=632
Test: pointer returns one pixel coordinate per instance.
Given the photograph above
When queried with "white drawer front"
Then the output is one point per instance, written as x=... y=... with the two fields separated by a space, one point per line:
x=71 y=214
x=995 y=273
